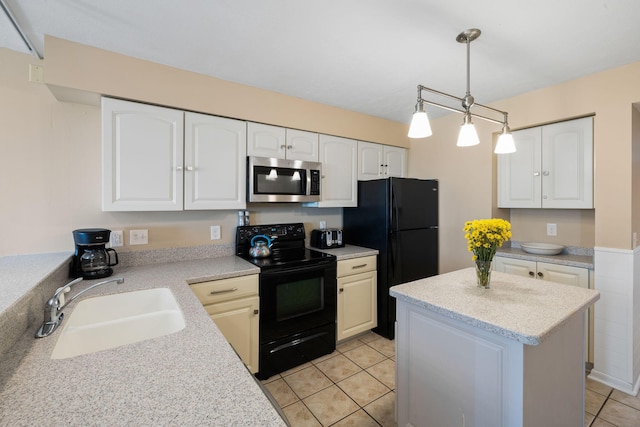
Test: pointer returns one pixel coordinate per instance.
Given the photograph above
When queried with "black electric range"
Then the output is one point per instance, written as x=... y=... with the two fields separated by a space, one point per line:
x=298 y=297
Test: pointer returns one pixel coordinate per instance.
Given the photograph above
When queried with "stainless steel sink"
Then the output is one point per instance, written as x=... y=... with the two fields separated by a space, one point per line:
x=111 y=321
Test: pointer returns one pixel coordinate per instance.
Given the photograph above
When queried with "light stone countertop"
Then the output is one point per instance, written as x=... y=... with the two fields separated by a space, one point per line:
x=191 y=377
x=348 y=252
x=519 y=308
x=20 y=273
x=574 y=260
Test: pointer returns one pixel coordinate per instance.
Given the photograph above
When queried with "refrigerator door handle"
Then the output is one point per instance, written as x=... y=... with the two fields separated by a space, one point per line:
x=395 y=215
x=392 y=254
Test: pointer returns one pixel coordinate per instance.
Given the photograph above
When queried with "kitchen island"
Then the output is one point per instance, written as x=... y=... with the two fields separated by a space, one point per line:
x=512 y=355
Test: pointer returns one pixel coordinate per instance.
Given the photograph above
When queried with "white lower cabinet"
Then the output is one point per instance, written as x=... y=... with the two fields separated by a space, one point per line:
x=357 y=300
x=233 y=304
x=565 y=274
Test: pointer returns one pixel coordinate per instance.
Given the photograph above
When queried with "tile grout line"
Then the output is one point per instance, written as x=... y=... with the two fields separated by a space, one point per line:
x=333 y=383
x=601 y=407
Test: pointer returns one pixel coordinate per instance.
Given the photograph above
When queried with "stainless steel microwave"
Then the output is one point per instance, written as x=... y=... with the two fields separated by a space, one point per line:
x=280 y=180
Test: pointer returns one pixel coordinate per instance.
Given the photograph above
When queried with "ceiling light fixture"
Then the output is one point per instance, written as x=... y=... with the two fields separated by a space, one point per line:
x=420 y=127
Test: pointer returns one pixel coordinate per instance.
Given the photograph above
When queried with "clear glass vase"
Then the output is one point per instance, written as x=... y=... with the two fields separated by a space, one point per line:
x=483 y=273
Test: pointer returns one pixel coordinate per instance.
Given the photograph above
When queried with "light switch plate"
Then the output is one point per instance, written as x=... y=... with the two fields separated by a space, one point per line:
x=552 y=229
x=138 y=237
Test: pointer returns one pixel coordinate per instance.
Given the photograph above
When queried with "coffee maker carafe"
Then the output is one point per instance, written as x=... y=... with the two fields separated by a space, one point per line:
x=92 y=260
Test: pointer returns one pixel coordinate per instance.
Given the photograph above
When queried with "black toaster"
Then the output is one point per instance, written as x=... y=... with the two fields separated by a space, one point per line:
x=327 y=238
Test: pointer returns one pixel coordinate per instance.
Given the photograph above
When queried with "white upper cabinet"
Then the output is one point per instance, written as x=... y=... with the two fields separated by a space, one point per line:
x=161 y=159
x=215 y=159
x=552 y=167
x=339 y=184
x=141 y=157
x=380 y=161
x=302 y=145
x=280 y=143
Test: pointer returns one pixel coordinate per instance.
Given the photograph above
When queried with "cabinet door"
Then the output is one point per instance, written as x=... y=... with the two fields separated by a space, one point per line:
x=142 y=153
x=357 y=304
x=339 y=158
x=265 y=141
x=395 y=161
x=238 y=322
x=565 y=274
x=370 y=161
x=215 y=162
x=567 y=164
x=519 y=267
x=519 y=184
x=301 y=145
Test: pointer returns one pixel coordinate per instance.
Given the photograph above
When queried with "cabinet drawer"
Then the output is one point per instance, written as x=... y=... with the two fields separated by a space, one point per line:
x=226 y=289
x=356 y=265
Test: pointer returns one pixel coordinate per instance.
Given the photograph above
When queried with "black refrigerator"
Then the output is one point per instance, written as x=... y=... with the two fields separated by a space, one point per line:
x=399 y=218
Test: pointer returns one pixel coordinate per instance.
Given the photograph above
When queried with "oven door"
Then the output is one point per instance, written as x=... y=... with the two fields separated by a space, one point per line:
x=297 y=316
x=297 y=299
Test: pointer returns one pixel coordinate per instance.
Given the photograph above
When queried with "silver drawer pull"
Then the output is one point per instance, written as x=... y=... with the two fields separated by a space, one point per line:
x=358 y=266
x=224 y=291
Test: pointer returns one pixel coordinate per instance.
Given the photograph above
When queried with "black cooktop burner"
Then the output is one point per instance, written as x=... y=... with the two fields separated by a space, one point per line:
x=287 y=246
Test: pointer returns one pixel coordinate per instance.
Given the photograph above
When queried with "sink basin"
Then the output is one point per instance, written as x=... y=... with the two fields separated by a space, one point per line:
x=111 y=321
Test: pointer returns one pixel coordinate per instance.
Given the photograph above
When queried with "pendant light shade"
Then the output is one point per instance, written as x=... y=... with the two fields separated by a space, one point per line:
x=468 y=135
x=505 y=143
x=420 y=126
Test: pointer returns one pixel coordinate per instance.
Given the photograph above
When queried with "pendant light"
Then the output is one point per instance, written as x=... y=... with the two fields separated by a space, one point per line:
x=468 y=136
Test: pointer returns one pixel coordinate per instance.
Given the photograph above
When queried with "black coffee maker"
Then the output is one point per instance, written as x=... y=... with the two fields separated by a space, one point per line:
x=92 y=260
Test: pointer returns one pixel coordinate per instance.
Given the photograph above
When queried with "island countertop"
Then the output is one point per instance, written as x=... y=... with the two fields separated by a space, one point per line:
x=520 y=308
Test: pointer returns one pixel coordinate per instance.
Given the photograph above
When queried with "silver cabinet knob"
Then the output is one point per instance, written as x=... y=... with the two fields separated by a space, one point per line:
x=536 y=173
x=189 y=168
x=179 y=167
x=545 y=173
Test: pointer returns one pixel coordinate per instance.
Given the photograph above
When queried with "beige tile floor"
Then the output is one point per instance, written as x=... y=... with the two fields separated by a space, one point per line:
x=355 y=386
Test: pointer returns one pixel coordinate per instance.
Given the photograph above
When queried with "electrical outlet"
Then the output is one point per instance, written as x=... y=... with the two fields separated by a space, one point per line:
x=138 y=237
x=552 y=229
x=323 y=225
x=116 y=239
x=215 y=232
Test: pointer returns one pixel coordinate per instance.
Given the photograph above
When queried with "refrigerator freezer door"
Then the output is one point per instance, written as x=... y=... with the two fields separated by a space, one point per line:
x=413 y=204
x=413 y=255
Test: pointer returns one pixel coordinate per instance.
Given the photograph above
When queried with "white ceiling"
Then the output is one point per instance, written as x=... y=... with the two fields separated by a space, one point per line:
x=362 y=55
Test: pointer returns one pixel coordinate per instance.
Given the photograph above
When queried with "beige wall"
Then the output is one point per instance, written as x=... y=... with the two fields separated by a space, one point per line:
x=50 y=178
x=95 y=71
x=465 y=175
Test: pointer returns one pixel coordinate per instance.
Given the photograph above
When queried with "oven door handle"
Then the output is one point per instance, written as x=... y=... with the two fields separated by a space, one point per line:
x=298 y=341
x=293 y=270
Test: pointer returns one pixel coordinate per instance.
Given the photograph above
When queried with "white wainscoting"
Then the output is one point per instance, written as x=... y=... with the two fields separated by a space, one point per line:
x=617 y=319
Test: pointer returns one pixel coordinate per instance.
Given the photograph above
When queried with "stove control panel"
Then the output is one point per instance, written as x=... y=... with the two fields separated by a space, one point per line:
x=276 y=232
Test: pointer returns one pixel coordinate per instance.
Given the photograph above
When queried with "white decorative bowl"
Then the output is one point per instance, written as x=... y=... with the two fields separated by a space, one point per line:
x=542 y=248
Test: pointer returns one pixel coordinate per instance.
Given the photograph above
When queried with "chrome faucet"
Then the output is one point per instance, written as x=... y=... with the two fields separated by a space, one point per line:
x=53 y=308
